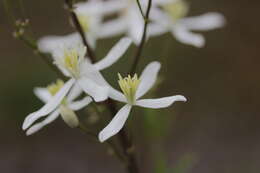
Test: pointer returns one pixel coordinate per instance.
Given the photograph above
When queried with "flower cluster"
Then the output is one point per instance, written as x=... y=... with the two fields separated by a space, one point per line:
x=84 y=77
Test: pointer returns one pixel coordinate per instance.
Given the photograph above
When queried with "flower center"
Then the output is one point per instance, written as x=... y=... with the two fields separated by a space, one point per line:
x=72 y=59
x=177 y=9
x=84 y=22
x=55 y=87
x=129 y=86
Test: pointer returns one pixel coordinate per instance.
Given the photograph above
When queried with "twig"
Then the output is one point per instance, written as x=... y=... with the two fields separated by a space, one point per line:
x=140 y=8
x=80 y=30
x=141 y=45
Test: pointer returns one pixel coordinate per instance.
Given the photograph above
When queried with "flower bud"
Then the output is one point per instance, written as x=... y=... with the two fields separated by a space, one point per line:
x=69 y=116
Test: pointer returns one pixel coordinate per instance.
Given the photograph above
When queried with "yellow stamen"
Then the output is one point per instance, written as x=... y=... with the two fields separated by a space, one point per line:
x=55 y=87
x=177 y=10
x=129 y=86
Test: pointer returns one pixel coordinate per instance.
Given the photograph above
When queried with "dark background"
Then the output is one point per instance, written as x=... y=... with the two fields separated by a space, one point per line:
x=219 y=125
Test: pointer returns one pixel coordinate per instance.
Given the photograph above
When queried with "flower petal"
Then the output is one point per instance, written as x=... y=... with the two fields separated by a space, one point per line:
x=136 y=25
x=116 y=124
x=161 y=102
x=183 y=35
x=204 y=22
x=38 y=126
x=77 y=105
x=116 y=95
x=112 y=28
x=148 y=78
x=74 y=92
x=52 y=104
x=43 y=94
x=53 y=44
x=98 y=92
x=114 y=54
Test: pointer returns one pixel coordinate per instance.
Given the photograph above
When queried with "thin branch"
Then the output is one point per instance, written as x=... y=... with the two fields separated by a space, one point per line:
x=140 y=8
x=141 y=45
x=80 y=30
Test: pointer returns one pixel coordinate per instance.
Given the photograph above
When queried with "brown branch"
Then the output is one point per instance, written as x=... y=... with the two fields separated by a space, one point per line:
x=80 y=30
x=141 y=45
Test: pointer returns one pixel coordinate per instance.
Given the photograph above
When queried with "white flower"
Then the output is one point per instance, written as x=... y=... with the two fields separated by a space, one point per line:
x=171 y=17
x=73 y=64
x=129 y=22
x=133 y=89
x=83 y=76
x=64 y=107
x=90 y=15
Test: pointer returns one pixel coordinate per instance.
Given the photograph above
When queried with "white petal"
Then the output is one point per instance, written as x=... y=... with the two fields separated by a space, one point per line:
x=77 y=105
x=116 y=95
x=52 y=104
x=53 y=44
x=136 y=25
x=43 y=94
x=185 y=36
x=74 y=92
x=204 y=22
x=148 y=78
x=98 y=92
x=114 y=54
x=38 y=126
x=112 y=28
x=116 y=124
x=161 y=102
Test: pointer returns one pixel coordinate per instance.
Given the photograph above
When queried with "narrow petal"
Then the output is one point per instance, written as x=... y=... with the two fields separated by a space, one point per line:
x=112 y=28
x=74 y=92
x=136 y=25
x=53 y=44
x=204 y=22
x=116 y=95
x=77 y=105
x=116 y=124
x=38 y=126
x=52 y=104
x=98 y=92
x=114 y=54
x=161 y=102
x=148 y=78
x=43 y=94
x=183 y=35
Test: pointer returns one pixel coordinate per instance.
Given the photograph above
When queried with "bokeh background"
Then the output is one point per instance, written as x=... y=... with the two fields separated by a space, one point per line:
x=217 y=130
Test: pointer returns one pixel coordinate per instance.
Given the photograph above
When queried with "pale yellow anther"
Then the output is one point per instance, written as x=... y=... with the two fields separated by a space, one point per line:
x=72 y=59
x=177 y=10
x=55 y=87
x=84 y=21
x=129 y=87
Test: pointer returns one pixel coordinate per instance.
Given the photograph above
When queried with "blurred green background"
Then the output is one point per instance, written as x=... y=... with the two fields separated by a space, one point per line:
x=217 y=130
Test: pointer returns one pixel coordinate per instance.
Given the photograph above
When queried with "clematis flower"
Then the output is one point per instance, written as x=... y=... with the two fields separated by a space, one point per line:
x=65 y=107
x=170 y=16
x=132 y=91
x=83 y=76
x=90 y=15
x=129 y=22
